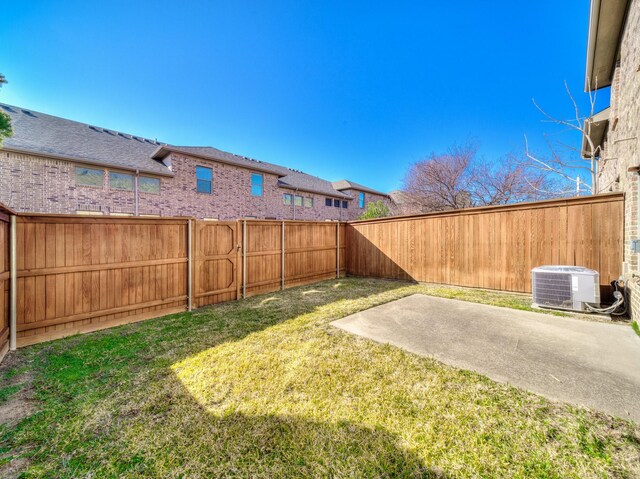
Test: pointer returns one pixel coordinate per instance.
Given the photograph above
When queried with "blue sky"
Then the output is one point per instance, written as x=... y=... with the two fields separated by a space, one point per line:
x=355 y=90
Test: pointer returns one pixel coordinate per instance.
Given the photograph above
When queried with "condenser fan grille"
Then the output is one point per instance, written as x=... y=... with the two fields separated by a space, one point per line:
x=552 y=289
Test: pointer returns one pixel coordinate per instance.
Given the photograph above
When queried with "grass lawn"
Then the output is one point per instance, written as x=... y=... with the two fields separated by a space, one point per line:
x=267 y=388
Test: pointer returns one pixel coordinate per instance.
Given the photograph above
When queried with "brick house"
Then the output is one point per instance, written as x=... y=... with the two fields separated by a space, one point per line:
x=613 y=60
x=55 y=165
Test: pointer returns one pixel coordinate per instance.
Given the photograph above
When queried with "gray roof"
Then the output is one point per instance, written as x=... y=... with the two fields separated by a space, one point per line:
x=50 y=135
x=350 y=185
x=400 y=197
x=298 y=180
x=214 y=154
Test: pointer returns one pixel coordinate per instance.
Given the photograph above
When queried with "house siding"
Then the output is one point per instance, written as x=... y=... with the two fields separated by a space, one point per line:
x=30 y=183
x=622 y=148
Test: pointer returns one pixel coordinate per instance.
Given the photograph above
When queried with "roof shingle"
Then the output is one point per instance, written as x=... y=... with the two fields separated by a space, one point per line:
x=49 y=135
x=350 y=185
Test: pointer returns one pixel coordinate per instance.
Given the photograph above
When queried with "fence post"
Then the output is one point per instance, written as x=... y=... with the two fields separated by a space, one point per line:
x=189 y=265
x=13 y=282
x=282 y=260
x=338 y=249
x=244 y=259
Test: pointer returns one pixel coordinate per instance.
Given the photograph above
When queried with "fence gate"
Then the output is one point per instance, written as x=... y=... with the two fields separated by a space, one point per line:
x=216 y=264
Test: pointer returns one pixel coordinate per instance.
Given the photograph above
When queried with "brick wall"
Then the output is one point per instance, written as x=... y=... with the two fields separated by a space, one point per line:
x=319 y=210
x=368 y=198
x=622 y=149
x=44 y=185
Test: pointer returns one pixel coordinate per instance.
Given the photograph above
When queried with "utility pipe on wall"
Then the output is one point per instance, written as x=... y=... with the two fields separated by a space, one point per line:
x=13 y=271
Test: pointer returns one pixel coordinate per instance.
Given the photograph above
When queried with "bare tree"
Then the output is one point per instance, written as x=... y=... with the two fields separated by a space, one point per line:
x=568 y=169
x=507 y=181
x=441 y=182
x=458 y=179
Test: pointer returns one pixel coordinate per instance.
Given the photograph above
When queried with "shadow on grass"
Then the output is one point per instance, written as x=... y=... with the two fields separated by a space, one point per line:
x=110 y=404
x=158 y=441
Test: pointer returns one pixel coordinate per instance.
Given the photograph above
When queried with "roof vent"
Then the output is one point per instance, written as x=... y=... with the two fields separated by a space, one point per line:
x=8 y=108
x=109 y=132
x=138 y=139
x=28 y=113
x=123 y=135
x=96 y=128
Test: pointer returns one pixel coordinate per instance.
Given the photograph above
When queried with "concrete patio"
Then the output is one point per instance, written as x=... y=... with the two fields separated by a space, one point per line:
x=585 y=363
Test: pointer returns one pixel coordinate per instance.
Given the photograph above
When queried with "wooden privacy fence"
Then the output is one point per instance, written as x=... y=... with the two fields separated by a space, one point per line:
x=82 y=273
x=492 y=247
x=78 y=273
x=284 y=254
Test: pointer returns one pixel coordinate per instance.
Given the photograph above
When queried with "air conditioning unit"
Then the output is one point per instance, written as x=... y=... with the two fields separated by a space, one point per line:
x=565 y=287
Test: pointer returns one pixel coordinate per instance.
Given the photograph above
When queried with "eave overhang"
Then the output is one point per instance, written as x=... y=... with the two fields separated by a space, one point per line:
x=597 y=127
x=606 y=25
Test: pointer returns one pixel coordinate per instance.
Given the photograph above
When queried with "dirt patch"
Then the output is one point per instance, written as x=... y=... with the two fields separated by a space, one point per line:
x=13 y=468
x=21 y=403
x=16 y=374
x=19 y=406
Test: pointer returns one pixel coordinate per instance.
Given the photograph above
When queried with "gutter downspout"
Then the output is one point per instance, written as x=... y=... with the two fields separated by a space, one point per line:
x=136 y=184
x=295 y=193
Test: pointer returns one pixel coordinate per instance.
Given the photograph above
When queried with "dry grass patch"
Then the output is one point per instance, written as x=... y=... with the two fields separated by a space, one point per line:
x=267 y=388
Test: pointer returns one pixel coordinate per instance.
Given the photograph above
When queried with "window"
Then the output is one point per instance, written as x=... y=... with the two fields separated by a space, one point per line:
x=120 y=181
x=298 y=200
x=328 y=201
x=89 y=176
x=361 y=200
x=204 y=179
x=308 y=202
x=148 y=185
x=345 y=204
x=287 y=198
x=256 y=184
x=336 y=203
